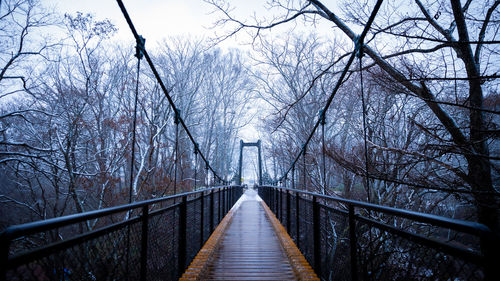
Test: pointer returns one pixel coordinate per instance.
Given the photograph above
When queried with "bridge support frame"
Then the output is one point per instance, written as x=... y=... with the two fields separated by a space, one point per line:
x=240 y=164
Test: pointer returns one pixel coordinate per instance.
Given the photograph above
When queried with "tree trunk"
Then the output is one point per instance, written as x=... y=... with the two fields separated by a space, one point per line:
x=478 y=163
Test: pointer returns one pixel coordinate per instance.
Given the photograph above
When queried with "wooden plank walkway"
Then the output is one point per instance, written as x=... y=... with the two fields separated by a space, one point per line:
x=250 y=249
x=249 y=245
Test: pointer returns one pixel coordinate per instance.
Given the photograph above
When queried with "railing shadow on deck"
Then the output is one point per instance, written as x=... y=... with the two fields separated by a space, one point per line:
x=149 y=240
x=352 y=240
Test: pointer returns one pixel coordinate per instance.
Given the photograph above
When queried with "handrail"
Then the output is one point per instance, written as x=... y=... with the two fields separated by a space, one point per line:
x=363 y=242
x=140 y=240
x=16 y=231
x=465 y=226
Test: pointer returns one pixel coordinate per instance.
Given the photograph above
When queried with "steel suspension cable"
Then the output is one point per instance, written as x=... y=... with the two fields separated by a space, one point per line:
x=340 y=80
x=160 y=81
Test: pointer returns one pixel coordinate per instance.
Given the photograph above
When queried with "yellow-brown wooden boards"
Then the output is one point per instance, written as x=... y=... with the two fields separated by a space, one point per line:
x=250 y=246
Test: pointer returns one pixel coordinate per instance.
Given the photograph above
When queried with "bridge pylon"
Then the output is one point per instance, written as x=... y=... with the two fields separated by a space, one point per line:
x=240 y=163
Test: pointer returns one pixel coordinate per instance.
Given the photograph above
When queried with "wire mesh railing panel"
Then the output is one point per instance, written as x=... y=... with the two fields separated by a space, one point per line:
x=145 y=247
x=102 y=258
x=206 y=218
x=306 y=229
x=293 y=214
x=216 y=209
x=283 y=208
x=163 y=230
x=335 y=256
x=384 y=255
x=360 y=241
x=193 y=229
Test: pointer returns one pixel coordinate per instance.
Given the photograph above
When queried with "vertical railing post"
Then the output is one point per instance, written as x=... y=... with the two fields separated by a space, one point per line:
x=271 y=199
x=219 y=206
x=278 y=207
x=223 y=202
x=288 y=220
x=297 y=218
x=234 y=191
x=275 y=200
x=211 y=207
x=277 y=203
x=202 y=218
x=181 y=251
x=268 y=193
x=317 y=236
x=144 y=242
x=281 y=205
x=272 y=202
x=352 y=243
x=269 y=196
x=230 y=196
x=228 y=199
x=222 y=205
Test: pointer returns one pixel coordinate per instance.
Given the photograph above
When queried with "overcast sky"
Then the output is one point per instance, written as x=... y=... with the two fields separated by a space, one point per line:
x=157 y=19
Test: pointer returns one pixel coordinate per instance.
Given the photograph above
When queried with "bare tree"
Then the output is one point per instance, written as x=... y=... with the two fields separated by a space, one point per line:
x=21 y=20
x=422 y=37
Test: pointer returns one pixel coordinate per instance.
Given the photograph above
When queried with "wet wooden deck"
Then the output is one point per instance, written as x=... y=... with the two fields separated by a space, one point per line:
x=249 y=244
x=250 y=249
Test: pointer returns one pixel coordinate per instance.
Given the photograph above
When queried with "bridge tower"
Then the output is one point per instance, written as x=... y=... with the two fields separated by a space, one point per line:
x=240 y=164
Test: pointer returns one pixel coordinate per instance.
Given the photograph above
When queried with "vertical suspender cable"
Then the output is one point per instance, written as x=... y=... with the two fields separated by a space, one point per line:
x=207 y=176
x=323 y=150
x=138 y=54
x=304 y=168
x=138 y=49
x=176 y=160
x=195 y=165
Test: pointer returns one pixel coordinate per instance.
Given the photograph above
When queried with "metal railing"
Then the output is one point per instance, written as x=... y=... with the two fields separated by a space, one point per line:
x=150 y=240
x=351 y=240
